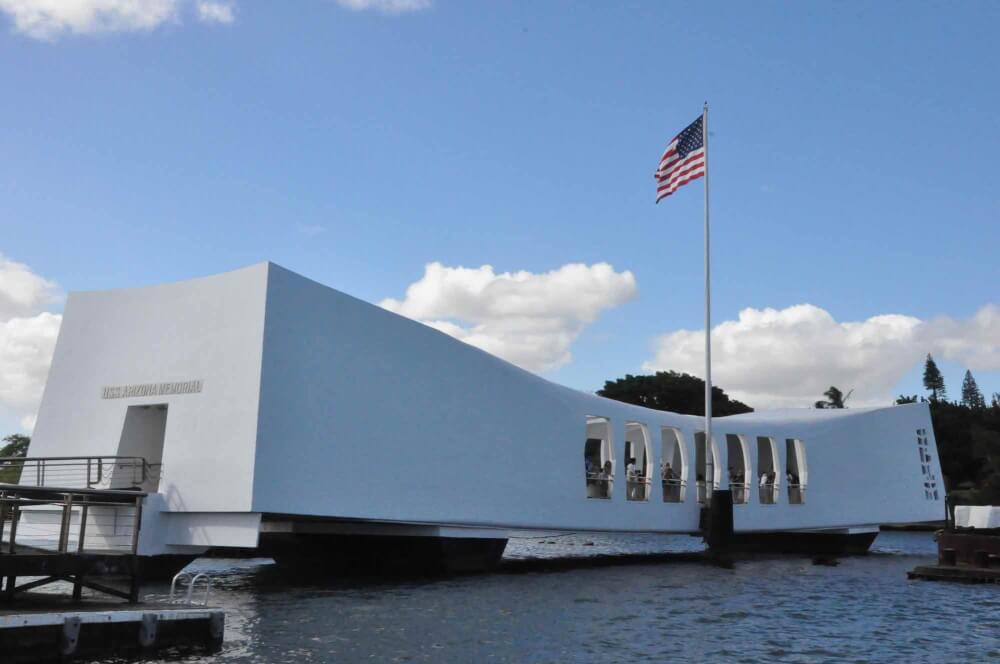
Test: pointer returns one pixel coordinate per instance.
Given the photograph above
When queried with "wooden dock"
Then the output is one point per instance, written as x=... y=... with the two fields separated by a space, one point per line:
x=85 y=539
x=47 y=627
x=961 y=573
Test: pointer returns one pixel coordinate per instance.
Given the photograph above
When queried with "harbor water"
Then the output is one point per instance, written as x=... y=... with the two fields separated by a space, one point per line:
x=764 y=608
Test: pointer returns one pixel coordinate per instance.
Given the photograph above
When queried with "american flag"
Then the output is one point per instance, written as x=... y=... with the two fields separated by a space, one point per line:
x=683 y=161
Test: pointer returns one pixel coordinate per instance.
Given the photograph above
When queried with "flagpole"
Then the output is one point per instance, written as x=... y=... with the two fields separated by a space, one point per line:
x=709 y=481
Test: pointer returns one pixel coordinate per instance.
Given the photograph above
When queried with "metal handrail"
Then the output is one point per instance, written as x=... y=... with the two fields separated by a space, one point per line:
x=173 y=582
x=192 y=579
x=80 y=471
x=68 y=458
x=13 y=500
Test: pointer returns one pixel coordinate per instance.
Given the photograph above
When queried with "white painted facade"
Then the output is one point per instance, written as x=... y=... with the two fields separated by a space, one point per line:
x=285 y=397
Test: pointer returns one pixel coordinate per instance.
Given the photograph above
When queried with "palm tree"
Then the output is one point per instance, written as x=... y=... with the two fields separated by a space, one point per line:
x=834 y=399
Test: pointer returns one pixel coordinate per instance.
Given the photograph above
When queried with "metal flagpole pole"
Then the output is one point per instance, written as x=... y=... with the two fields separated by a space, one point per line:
x=709 y=481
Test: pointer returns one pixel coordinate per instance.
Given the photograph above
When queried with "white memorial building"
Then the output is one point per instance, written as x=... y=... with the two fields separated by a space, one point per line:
x=278 y=414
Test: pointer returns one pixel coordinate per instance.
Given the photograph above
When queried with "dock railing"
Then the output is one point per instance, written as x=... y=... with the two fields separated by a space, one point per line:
x=82 y=472
x=70 y=534
x=64 y=521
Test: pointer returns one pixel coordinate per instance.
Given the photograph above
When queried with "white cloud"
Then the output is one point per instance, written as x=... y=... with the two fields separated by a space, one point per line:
x=26 y=346
x=386 y=6
x=23 y=292
x=215 y=12
x=788 y=357
x=50 y=19
x=525 y=318
x=27 y=338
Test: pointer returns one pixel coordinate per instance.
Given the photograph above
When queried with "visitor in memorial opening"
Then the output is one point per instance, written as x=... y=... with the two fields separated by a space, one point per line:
x=631 y=476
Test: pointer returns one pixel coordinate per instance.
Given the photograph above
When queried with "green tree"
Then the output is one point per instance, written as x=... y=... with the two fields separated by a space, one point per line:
x=902 y=398
x=834 y=399
x=16 y=446
x=669 y=390
x=934 y=381
x=971 y=396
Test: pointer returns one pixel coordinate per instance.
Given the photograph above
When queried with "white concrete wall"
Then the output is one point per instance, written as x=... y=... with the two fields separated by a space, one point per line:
x=367 y=415
x=862 y=465
x=364 y=414
x=207 y=329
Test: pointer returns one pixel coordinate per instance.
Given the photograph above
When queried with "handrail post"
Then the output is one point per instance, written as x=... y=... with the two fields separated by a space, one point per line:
x=83 y=526
x=88 y=472
x=77 y=585
x=3 y=514
x=136 y=524
x=15 y=516
x=64 y=527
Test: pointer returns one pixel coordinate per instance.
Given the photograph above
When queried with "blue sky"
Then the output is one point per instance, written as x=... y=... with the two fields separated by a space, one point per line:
x=853 y=157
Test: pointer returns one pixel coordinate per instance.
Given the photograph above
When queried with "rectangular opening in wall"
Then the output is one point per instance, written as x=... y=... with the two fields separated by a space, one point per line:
x=638 y=461
x=739 y=468
x=673 y=465
x=140 y=449
x=598 y=458
x=767 y=470
x=796 y=471
x=705 y=466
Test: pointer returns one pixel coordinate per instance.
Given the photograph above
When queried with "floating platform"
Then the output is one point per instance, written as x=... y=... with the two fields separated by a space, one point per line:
x=45 y=627
x=968 y=547
x=964 y=573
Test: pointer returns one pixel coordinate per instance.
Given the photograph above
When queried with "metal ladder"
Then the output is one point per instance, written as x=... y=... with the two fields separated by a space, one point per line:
x=192 y=580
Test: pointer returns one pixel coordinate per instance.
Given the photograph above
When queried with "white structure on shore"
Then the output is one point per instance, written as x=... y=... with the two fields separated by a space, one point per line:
x=277 y=407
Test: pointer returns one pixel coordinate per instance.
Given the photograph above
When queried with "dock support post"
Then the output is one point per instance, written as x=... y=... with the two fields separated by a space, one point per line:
x=147 y=630
x=720 y=521
x=15 y=516
x=135 y=579
x=77 y=587
x=216 y=628
x=70 y=636
x=67 y=519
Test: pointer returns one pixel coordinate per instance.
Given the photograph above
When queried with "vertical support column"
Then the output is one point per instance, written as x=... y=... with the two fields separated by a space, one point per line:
x=136 y=564
x=3 y=515
x=67 y=517
x=77 y=588
x=136 y=525
x=720 y=521
x=11 y=579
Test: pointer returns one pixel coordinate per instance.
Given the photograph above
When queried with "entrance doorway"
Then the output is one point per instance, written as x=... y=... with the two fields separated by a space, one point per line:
x=140 y=448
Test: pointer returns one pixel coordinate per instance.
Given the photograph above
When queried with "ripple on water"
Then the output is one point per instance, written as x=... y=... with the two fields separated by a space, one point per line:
x=765 y=609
